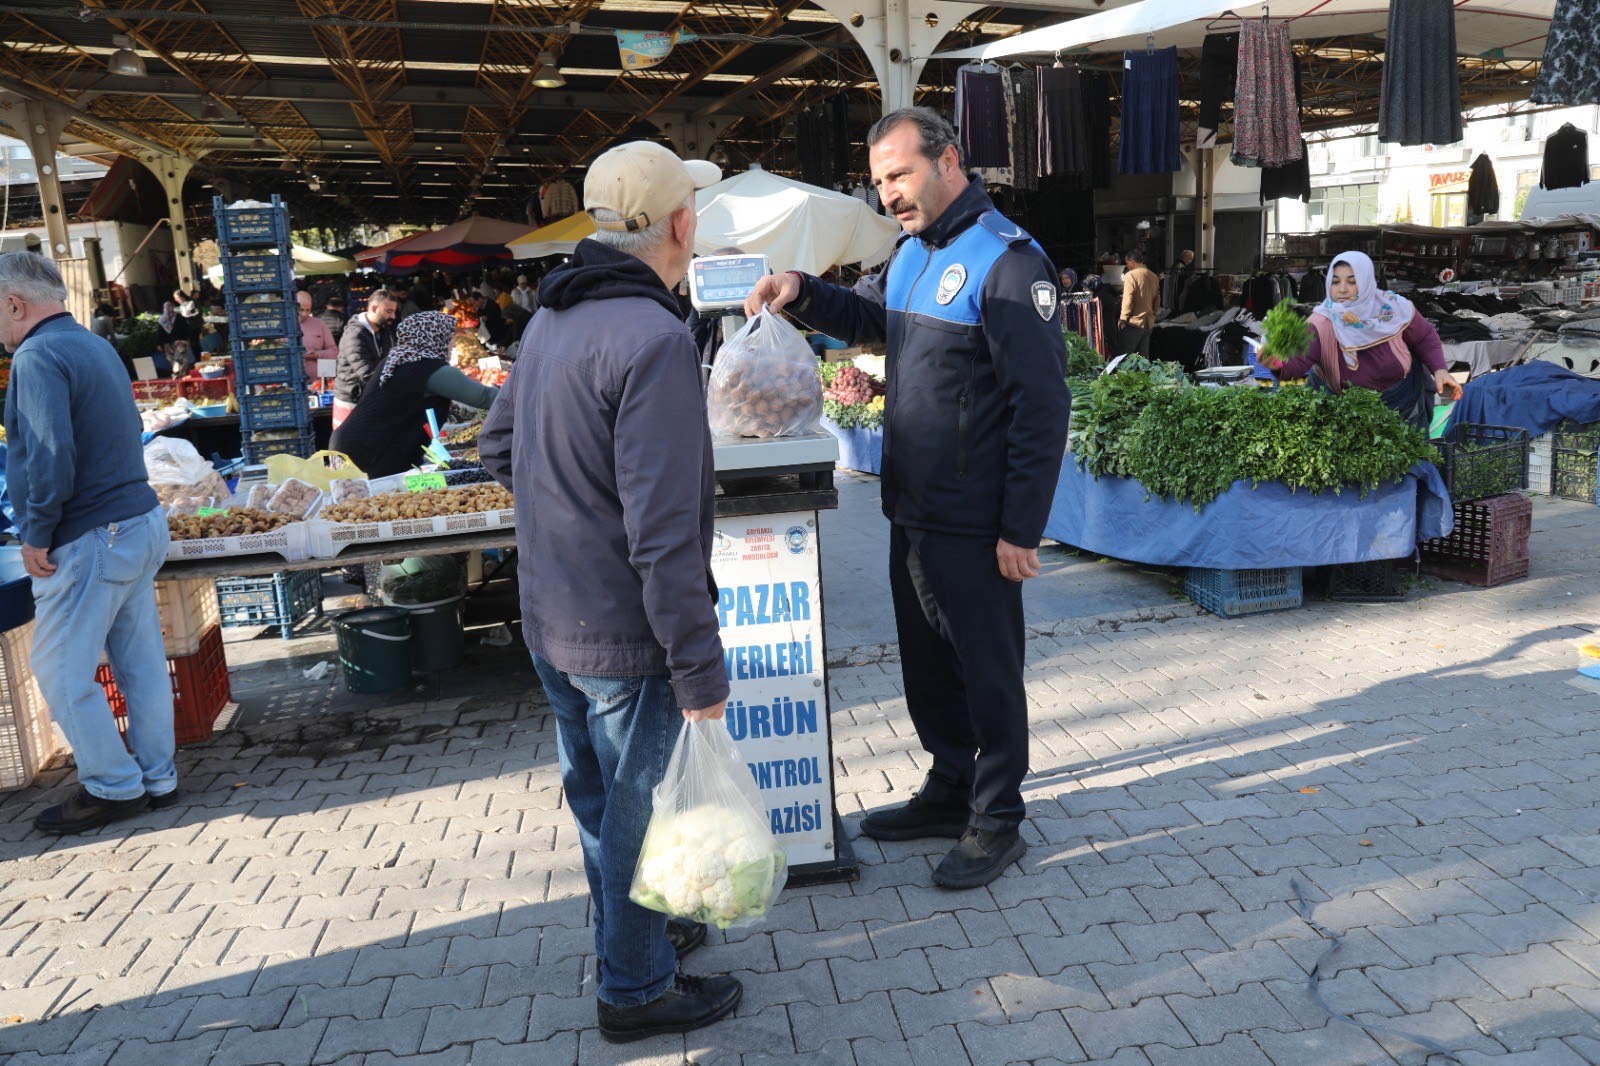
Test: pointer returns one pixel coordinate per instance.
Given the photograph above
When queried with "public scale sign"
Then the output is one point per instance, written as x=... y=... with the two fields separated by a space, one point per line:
x=769 y=604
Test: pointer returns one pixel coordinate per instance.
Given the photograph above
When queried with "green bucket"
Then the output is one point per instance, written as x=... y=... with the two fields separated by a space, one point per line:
x=374 y=648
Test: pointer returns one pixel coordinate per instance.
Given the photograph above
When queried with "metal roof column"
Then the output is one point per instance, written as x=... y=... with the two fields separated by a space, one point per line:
x=898 y=37
x=691 y=137
x=42 y=126
x=172 y=171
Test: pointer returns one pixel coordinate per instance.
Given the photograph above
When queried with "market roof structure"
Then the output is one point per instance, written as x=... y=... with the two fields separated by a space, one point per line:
x=427 y=110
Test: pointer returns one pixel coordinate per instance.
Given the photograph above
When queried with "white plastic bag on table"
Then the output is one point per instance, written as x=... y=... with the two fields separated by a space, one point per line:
x=709 y=853
x=765 y=383
x=176 y=470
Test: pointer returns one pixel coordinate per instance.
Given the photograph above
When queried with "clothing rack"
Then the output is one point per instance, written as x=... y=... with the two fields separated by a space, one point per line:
x=1081 y=312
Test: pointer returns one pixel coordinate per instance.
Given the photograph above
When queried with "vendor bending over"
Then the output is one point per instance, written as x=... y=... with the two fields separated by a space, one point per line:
x=387 y=431
x=1367 y=336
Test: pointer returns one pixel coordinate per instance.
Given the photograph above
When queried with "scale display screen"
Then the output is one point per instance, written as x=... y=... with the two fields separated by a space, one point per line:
x=721 y=282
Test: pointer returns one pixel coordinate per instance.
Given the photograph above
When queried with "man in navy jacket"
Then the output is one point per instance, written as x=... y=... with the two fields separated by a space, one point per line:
x=975 y=427
x=600 y=433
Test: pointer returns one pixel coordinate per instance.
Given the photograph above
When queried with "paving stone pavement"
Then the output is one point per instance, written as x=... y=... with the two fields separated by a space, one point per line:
x=404 y=885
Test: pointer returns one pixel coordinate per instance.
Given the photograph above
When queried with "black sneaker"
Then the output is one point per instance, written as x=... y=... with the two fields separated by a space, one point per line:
x=691 y=1003
x=86 y=811
x=163 y=801
x=979 y=858
x=920 y=817
x=684 y=935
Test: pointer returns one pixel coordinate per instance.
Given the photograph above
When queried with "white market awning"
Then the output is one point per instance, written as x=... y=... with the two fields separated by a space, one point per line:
x=797 y=226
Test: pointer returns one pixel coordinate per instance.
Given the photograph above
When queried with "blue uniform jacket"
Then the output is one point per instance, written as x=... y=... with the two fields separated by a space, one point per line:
x=975 y=421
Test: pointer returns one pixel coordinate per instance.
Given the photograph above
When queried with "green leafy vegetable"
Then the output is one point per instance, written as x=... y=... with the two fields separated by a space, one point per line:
x=1287 y=335
x=1082 y=360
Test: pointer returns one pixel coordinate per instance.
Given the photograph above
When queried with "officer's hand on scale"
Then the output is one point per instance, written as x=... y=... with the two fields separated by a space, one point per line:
x=774 y=290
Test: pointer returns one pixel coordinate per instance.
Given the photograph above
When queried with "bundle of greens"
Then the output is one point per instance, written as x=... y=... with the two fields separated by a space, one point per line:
x=1103 y=414
x=1286 y=336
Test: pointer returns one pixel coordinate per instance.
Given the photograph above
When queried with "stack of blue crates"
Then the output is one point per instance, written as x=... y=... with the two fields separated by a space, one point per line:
x=268 y=359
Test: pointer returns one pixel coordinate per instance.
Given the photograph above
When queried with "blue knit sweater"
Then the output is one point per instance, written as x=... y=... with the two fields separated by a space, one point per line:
x=75 y=458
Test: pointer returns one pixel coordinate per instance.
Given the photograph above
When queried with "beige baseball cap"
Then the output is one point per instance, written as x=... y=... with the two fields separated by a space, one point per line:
x=643 y=182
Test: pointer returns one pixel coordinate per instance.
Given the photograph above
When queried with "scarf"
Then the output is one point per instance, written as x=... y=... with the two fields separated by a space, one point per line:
x=1372 y=317
x=425 y=335
x=169 y=316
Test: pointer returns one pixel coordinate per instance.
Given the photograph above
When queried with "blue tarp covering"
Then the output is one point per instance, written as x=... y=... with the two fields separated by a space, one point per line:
x=1245 y=528
x=859 y=449
x=1534 y=396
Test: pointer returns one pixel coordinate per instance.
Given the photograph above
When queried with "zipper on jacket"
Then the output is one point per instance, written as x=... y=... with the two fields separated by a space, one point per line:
x=961 y=439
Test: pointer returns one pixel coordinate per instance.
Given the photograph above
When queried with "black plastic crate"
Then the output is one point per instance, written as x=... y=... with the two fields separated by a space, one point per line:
x=284 y=600
x=1483 y=461
x=1376 y=581
x=286 y=409
x=259 y=270
x=252 y=227
x=274 y=317
x=258 y=448
x=1573 y=473
x=271 y=362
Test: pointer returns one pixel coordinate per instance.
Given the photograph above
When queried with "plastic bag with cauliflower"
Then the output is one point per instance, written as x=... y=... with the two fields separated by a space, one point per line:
x=708 y=852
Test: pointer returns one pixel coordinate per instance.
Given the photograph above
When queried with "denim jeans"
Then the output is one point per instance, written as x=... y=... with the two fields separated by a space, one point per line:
x=614 y=736
x=102 y=598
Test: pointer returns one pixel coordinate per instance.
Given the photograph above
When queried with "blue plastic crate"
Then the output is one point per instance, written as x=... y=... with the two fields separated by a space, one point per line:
x=284 y=600
x=1231 y=593
x=256 y=451
x=258 y=270
x=274 y=362
x=275 y=410
x=252 y=227
x=276 y=317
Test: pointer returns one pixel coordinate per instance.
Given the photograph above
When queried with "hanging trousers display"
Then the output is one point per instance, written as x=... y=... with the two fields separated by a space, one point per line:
x=1266 y=113
x=1150 y=112
x=1219 y=70
x=1025 y=128
x=1095 y=87
x=811 y=144
x=1566 y=158
x=1292 y=181
x=1570 y=73
x=1063 y=148
x=981 y=109
x=1421 y=98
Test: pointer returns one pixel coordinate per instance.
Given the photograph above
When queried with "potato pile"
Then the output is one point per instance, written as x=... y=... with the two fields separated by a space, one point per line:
x=466 y=349
x=397 y=506
x=760 y=393
x=239 y=522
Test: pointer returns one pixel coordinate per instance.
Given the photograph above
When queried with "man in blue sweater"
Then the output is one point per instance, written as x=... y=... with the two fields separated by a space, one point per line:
x=93 y=538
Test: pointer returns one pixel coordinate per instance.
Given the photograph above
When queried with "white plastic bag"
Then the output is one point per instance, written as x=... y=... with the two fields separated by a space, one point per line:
x=765 y=383
x=709 y=853
x=175 y=470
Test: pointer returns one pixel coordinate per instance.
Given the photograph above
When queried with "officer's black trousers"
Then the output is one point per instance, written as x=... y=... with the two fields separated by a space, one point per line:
x=961 y=653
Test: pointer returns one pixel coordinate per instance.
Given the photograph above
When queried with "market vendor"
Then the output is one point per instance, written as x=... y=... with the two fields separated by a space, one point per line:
x=388 y=429
x=1367 y=336
x=315 y=338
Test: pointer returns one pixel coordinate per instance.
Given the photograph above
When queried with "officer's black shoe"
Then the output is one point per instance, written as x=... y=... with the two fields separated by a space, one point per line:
x=691 y=1003
x=85 y=811
x=921 y=817
x=685 y=935
x=979 y=858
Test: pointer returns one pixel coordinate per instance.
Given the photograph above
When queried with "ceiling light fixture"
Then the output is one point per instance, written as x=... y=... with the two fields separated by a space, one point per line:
x=125 y=61
x=546 y=75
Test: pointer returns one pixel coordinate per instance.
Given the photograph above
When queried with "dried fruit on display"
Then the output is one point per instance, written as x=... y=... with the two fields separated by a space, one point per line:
x=240 y=522
x=398 y=506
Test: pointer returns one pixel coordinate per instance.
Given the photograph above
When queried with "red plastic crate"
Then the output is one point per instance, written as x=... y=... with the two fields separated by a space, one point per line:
x=197 y=389
x=1489 y=545
x=199 y=689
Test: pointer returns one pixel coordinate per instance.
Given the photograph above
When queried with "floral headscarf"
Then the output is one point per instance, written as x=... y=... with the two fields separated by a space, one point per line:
x=425 y=335
x=1372 y=317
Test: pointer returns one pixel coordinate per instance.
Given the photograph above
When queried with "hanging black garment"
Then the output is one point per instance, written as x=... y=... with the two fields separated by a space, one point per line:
x=1095 y=87
x=1421 y=98
x=1150 y=112
x=1570 y=73
x=1483 y=189
x=1219 y=71
x=1292 y=181
x=811 y=140
x=1063 y=148
x=839 y=138
x=1314 y=286
x=1025 y=129
x=1566 y=159
x=983 y=120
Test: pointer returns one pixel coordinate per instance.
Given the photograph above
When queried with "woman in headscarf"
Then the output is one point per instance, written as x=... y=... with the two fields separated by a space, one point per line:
x=388 y=429
x=1363 y=335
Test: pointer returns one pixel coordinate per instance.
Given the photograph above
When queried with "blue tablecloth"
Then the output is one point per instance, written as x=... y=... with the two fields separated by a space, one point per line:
x=1245 y=528
x=859 y=449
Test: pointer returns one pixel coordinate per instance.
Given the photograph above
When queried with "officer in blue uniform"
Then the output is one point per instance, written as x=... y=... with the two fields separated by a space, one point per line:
x=975 y=427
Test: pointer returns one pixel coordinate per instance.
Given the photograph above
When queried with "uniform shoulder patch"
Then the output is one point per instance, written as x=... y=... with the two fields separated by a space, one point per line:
x=1003 y=227
x=1044 y=299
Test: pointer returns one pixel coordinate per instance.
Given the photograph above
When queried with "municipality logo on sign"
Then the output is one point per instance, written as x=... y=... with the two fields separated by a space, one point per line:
x=797 y=537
